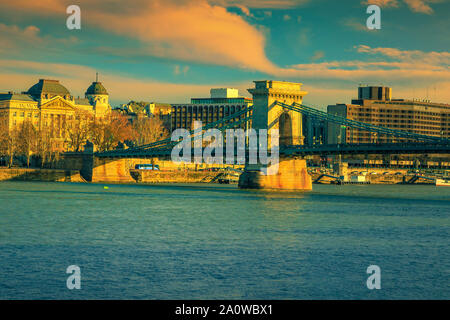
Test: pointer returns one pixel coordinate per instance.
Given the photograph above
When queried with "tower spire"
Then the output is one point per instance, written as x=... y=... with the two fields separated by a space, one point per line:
x=96 y=77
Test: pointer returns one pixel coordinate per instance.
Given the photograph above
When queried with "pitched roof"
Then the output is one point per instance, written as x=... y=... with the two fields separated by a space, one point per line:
x=48 y=86
x=16 y=96
x=82 y=101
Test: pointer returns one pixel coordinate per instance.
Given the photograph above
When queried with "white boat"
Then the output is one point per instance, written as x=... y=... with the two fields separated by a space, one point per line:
x=442 y=183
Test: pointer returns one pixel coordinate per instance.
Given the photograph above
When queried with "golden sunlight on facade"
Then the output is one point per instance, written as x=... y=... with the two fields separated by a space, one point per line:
x=49 y=105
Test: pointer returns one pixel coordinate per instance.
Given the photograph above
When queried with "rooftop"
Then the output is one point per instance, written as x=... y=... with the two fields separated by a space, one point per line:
x=48 y=86
x=96 y=88
x=16 y=96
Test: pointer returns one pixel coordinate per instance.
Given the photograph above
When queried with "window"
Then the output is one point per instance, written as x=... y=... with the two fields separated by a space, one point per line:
x=22 y=114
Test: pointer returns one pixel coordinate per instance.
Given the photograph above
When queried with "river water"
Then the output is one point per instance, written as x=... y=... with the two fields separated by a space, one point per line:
x=218 y=242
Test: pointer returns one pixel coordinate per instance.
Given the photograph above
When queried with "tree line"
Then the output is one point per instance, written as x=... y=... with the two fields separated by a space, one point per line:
x=71 y=133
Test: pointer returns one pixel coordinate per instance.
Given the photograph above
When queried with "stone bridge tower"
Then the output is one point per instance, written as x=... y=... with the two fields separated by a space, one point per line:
x=268 y=116
x=292 y=173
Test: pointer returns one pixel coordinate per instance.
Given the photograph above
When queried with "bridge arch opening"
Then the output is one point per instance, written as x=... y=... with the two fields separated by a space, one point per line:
x=285 y=129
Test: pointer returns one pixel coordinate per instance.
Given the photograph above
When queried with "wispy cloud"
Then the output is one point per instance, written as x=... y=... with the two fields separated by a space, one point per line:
x=260 y=4
x=15 y=39
x=420 y=6
x=318 y=55
x=327 y=82
x=415 y=57
x=121 y=88
x=180 y=70
x=356 y=24
x=381 y=3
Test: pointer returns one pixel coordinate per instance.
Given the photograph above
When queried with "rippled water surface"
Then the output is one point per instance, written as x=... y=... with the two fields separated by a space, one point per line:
x=218 y=242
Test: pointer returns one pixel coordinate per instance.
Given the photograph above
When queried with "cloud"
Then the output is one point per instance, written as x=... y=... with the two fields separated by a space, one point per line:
x=410 y=73
x=326 y=82
x=303 y=37
x=318 y=55
x=356 y=24
x=322 y=95
x=381 y=3
x=420 y=6
x=261 y=4
x=244 y=10
x=178 y=70
x=18 y=75
x=186 y=30
x=410 y=56
x=10 y=35
x=15 y=39
x=205 y=32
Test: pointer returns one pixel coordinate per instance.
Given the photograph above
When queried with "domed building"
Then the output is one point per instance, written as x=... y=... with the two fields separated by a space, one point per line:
x=49 y=104
x=98 y=97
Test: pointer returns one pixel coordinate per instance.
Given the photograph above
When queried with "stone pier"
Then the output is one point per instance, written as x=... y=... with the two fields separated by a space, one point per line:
x=292 y=175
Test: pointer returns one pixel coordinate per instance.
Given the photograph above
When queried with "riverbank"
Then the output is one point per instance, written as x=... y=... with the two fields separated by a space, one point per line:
x=387 y=177
x=133 y=176
x=34 y=174
x=164 y=176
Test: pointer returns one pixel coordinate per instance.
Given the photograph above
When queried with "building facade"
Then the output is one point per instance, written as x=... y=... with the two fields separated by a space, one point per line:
x=48 y=104
x=375 y=106
x=222 y=103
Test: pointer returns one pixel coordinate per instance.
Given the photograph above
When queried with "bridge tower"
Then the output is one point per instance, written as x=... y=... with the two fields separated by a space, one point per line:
x=266 y=115
x=292 y=173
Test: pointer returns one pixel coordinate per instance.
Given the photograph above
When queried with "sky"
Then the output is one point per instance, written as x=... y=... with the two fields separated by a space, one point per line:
x=172 y=50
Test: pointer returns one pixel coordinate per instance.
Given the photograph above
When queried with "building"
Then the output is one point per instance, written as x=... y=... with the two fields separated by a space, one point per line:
x=375 y=93
x=48 y=104
x=314 y=130
x=222 y=102
x=134 y=110
x=375 y=106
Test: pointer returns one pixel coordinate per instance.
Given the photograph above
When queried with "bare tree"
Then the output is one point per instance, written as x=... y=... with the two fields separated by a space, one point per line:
x=4 y=137
x=107 y=132
x=28 y=140
x=77 y=129
x=148 y=130
x=45 y=145
x=4 y=133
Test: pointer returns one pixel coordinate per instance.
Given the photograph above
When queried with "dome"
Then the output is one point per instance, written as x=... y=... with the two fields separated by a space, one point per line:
x=96 y=88
x=45 y=86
